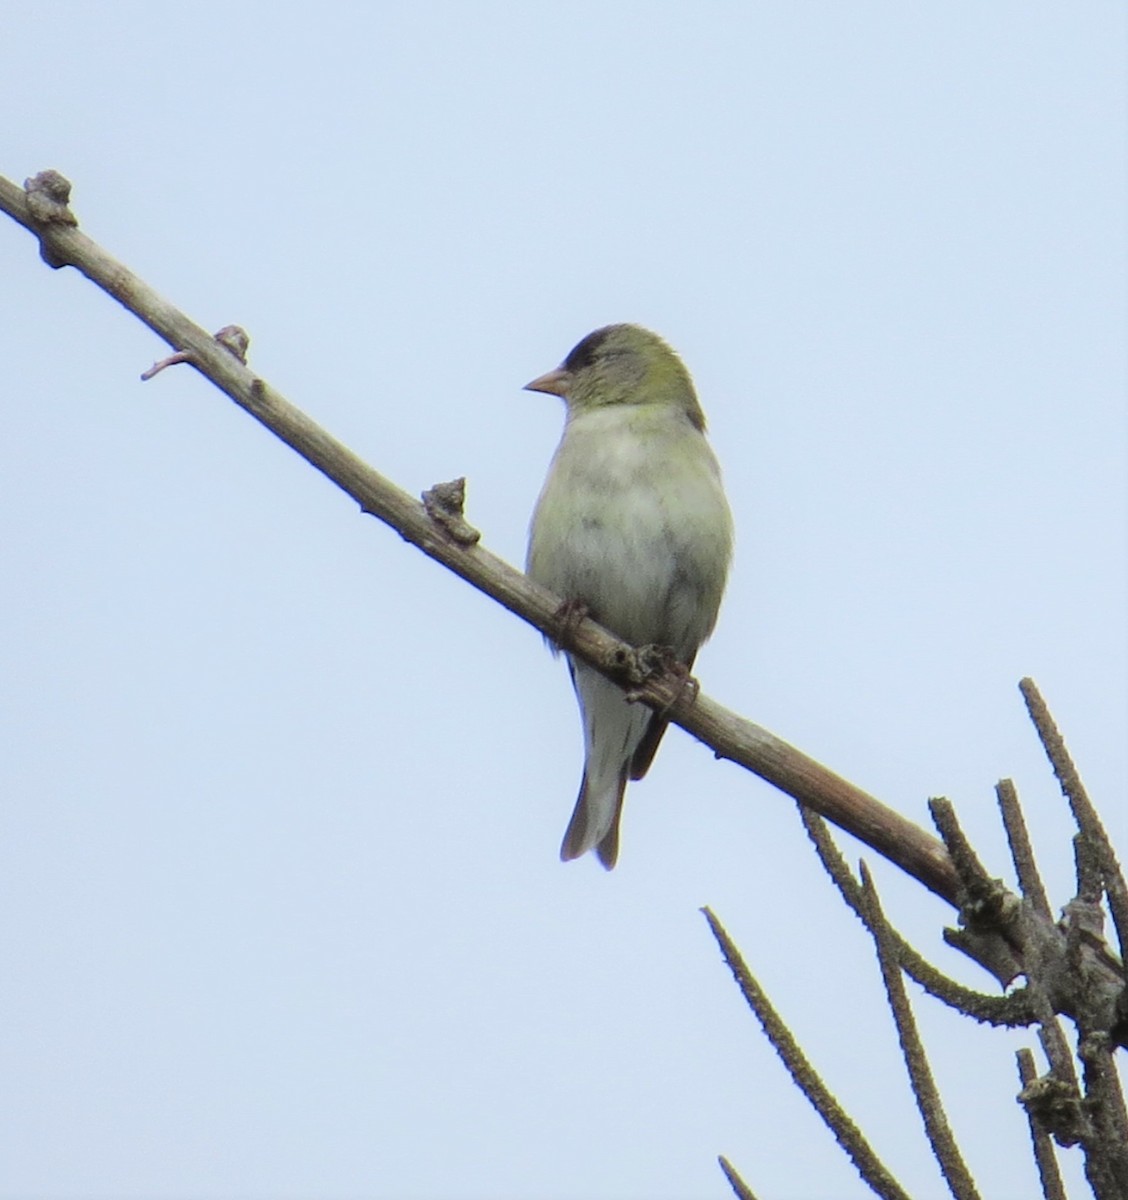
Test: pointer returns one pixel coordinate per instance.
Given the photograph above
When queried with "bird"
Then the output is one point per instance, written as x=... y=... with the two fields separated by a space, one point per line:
x=632 y=528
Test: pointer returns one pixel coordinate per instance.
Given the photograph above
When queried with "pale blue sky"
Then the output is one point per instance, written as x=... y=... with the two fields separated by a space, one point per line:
x=280 y=907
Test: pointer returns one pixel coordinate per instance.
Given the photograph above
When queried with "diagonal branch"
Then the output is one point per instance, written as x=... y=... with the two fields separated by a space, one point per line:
x=42 y=209
x=1022 y=852
x=806 y=1078
x=1084 y=813
x=939 y=1132
x=740 y=1189
x=1052 y=1186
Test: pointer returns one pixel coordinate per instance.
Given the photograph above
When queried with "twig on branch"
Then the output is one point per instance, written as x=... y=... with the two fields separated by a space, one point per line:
x=1011 y=1010
x=806 y=1078
x=1088 y=822
x=1052 y=1186
x=936 y=1126
x=1107 y=1153
x=987 y=908
x=982 y=897
x=231 y=337
x=1022 y=852
x=740 y=1189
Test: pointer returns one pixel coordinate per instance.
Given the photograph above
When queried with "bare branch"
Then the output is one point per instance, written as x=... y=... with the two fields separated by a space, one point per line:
x=1056 y=1048
x=1107 y=1149
x=1044 y=1154
x=940 y=1136
x=980 y=891
x=1013 y=1009
x=1022 y=852
x=741 y=1190
x=1069 y=968
x=849 y=1136
x=1083 y=811
x=986 y=906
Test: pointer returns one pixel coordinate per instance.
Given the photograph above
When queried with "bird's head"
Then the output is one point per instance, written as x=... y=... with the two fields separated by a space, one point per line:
x=622 y=364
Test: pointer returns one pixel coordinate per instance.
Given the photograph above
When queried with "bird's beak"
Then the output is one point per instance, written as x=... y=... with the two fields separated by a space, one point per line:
x=555 y=383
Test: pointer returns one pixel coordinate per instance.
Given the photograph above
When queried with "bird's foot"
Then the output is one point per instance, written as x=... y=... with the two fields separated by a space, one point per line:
x=659 y=664
x=567 y=619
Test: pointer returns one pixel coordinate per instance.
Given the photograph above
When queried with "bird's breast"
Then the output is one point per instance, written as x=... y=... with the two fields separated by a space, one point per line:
x=632 y=521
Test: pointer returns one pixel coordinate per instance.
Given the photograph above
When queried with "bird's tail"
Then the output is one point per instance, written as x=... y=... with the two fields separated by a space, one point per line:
x=595 y=823
x=613 y=729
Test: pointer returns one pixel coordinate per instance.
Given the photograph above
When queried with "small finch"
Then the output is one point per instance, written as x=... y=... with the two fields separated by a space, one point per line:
x=632 y=524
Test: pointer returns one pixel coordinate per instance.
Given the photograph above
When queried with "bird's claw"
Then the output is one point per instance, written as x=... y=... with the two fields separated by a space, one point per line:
x=568 y=618
x=651 y=664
